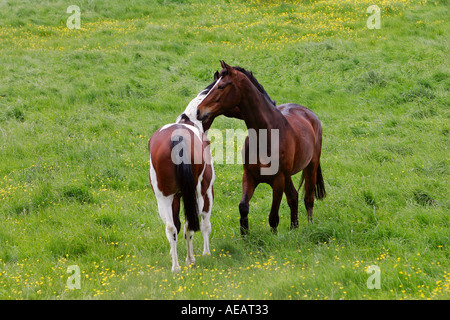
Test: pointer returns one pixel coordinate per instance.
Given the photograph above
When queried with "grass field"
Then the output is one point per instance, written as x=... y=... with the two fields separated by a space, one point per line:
x=77 y=108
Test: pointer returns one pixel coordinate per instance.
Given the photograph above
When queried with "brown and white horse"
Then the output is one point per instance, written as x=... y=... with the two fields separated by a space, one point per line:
x=298 y=143
x=181 y=167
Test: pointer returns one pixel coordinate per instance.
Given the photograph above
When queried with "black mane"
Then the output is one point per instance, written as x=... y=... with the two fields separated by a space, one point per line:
x=255 y=82
x=251 y=77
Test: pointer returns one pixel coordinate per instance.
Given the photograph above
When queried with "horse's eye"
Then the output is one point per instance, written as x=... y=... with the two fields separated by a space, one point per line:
x=223 y=86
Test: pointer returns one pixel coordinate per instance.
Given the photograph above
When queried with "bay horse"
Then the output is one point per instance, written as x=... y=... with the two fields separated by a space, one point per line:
x=299 y=133
x=181 y=167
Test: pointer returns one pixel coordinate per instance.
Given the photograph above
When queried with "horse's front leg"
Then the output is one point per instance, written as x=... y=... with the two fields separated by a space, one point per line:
x=277 y=195
x=205 y=224
x=248 y=188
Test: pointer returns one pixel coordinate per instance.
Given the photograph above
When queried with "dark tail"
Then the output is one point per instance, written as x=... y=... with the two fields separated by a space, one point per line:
x=185 y=180
x=319 y=190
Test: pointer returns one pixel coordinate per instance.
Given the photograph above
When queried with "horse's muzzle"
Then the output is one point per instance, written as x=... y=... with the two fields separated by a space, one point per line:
x=202 y=117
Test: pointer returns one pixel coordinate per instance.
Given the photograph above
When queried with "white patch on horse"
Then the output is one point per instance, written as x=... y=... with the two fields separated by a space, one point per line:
x=205 y=225
x=191 y=112
x=166 y=126
x=191 y=109
x=215 y=85
x=195 y=130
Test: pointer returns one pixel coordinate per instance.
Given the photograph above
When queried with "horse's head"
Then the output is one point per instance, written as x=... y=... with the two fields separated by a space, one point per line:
x=224 y=97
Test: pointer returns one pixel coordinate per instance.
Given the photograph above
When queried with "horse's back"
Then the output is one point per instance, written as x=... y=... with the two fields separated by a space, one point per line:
x=307 y=131
x=160 y=148
x=297 y=114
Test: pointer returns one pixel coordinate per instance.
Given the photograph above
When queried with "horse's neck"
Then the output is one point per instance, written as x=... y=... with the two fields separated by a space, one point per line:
x=258 y=112
x=191 y=113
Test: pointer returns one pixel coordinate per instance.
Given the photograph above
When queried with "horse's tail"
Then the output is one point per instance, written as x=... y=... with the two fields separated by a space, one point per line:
x=319 y=190
x=186 y=183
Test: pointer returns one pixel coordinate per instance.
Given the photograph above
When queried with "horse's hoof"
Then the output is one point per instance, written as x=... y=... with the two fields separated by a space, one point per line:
x=244 y=231
x=274 y=230
x=294 y=226
x=244 y=227
x=176 y=269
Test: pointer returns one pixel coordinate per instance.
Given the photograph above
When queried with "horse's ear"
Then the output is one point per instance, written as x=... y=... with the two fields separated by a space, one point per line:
x=216 y=76
x=227 y=67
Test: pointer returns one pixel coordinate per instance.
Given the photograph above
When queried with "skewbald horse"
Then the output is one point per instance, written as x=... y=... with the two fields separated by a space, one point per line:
x=181 y=167
x=299 y=142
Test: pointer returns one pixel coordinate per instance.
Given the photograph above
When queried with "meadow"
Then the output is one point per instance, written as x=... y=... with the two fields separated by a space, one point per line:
x=78 y=106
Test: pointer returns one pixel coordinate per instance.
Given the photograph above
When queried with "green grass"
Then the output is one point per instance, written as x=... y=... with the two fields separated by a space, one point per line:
x=77 y=108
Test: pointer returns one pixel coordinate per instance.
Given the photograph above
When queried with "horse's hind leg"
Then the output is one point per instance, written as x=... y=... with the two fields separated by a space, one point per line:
x=277 y=195
x=176 y=212
x=310 y=175
x=165 y=210
x=292 y=200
